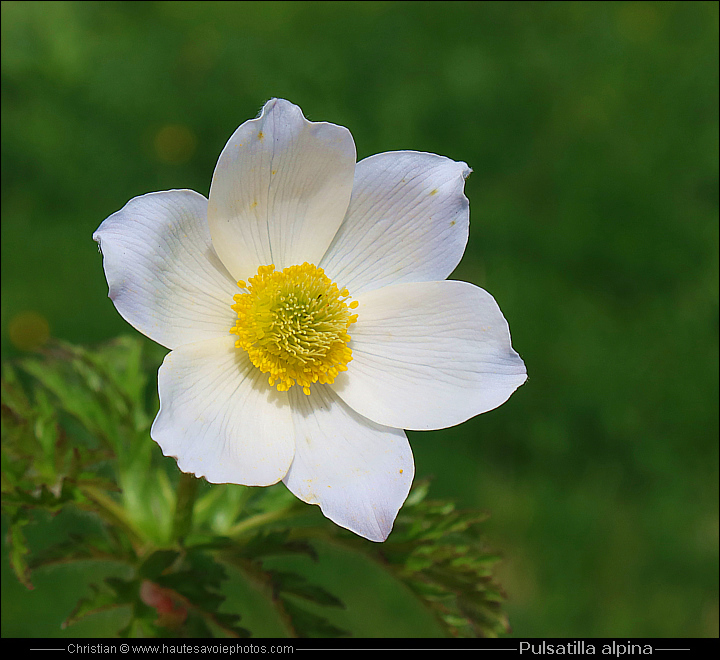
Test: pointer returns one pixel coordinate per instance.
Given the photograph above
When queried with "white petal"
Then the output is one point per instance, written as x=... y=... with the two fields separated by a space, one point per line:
x=407 y=222
x=220 y=418
x=280 y=190
x=357 y=471
x=162 y=271
x=429 y=355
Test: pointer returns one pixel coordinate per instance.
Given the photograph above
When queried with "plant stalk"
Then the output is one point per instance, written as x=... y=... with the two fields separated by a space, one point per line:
x=184 y=506
x=259 y=520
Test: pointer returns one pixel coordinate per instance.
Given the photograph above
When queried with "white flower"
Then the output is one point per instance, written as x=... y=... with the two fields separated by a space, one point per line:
x=258 y=290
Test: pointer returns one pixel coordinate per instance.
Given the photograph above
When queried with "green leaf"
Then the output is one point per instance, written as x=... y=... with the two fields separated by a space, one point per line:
x=438 y=552
x=275 y=542
x=18 y=548
x=126 y=591
x=230 y=622
x=156 y=563
x=285 y=582
x=75 y=428
x=101 y=599
x=81 y=547
x=306 y=624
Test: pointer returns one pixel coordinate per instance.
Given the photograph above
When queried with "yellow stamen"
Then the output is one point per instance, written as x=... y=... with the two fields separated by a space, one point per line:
x=293 y=325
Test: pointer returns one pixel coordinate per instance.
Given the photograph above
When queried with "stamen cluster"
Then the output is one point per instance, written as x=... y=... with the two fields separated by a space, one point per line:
x=293 y=325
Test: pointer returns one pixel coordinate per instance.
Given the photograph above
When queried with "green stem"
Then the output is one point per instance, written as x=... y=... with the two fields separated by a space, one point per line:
x=185 y=503
x=260 y=519
x=113 y=512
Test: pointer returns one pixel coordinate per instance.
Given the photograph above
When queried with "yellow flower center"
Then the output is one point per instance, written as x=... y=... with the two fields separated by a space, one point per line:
x=293 y=325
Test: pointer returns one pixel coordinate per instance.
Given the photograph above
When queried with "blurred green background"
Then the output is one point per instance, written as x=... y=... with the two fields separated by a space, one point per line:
x=592 y=129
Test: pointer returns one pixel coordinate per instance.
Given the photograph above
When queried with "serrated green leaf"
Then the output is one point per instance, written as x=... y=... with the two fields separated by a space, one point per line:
x=436 y=550
x=80 y=547
x=12 y=393
x=275 y=542
x=230 y=622
x=285 y=582
x=126 y=591
x=19 y=549
x=197 y=626
x=43 y=498
x=154 y=565
x=72 y=411
x=307 y=624
x=71 y=397
x=197 y=591
x=100 y=600
x=205 y=563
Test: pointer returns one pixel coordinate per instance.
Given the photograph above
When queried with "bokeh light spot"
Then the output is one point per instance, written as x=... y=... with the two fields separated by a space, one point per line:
x=175 y=144
x=28 y=330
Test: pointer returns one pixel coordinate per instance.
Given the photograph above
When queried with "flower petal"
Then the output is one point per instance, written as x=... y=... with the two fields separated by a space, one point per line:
x=162 y=271
x=357 y=471
x=429 y=355
x=280 y=190
x=220 y=418
x=407 y=222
